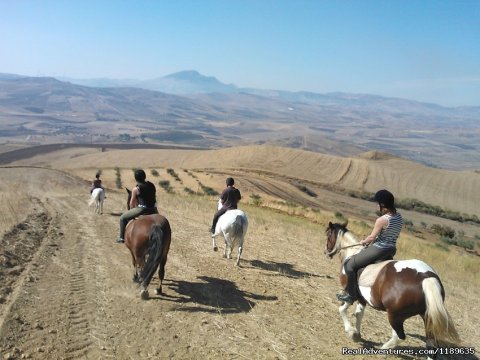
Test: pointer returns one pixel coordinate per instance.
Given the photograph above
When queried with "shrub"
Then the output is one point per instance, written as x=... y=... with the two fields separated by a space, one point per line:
x=118 y=178
x=154 y=172
x=256 y=199
x=208 y=190
x=443 y=230
x=189 y=191
x=165 y=184
x=306 y=190
x=466 y=244
x=174 y=175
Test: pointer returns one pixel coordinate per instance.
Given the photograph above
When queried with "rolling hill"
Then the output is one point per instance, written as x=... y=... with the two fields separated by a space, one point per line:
x=46 y=110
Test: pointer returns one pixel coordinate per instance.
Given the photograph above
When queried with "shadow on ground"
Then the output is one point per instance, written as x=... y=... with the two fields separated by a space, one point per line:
x=283 y=269
x=213 y=295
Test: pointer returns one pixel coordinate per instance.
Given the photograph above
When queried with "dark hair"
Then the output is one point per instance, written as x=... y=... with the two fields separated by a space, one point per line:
x=230 y=181
x=385 y=198
x=97 y=175
x=140 y=175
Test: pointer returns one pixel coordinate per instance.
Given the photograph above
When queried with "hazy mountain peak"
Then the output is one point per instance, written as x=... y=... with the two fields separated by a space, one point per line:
x=188 y=75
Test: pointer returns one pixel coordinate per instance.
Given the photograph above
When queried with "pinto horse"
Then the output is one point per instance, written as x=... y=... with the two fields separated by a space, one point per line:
x=97 y=198
x=148 y=238
x=402 y=288
x=233 y=226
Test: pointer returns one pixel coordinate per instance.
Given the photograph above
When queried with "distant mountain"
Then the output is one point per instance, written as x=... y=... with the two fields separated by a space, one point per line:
x=213 y=114
x=180 y=83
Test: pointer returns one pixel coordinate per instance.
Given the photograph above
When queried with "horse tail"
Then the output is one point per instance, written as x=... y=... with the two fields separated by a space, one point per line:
x=438 y=323
x=153 y=255
x=237 y=227
x=94 y=198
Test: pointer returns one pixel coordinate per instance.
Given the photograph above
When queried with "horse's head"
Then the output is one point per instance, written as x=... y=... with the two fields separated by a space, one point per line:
x=128 y=198
x=219 y=205
x=333 y=245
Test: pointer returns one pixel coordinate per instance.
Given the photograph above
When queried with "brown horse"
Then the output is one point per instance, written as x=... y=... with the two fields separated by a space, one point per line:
x=402 y=288
x=148 y=238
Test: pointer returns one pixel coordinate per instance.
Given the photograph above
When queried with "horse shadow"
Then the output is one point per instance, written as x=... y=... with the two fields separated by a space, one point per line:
x=213 y=295
x=283 y=269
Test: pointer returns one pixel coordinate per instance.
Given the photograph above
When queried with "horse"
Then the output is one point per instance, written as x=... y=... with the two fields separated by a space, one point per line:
x=402 y=288
x=233 y=226
x=148 y=238
x=97 y=198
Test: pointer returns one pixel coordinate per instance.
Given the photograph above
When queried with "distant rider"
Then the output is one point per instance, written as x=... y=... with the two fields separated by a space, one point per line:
x=383 y=239
x=142 y=202
x=229 y=199
x=97 y=183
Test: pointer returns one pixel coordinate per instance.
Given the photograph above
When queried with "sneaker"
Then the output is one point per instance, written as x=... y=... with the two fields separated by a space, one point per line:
x=120 y=240
x=345 y=298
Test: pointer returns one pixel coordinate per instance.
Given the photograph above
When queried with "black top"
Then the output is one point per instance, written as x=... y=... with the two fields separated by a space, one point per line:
x=147 y=194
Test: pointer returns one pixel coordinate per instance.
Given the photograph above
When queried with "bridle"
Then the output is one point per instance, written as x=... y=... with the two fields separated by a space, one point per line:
x=332 y=235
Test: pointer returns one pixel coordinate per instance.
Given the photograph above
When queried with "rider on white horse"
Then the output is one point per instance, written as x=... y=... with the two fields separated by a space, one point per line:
x=229 y=199
x=97 y=183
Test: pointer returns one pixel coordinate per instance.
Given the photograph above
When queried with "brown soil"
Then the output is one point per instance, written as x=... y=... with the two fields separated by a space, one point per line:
x=67 y=291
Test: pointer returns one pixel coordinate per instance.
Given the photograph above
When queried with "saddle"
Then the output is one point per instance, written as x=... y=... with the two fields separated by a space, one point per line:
x=367 y=275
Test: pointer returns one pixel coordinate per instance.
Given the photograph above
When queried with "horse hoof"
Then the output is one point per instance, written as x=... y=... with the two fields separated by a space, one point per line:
x=356 y=337
x=158 y=291
x=215 y=248
x=144 y=294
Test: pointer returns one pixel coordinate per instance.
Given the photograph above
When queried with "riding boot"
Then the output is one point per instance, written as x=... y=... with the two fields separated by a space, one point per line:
x=351 y=293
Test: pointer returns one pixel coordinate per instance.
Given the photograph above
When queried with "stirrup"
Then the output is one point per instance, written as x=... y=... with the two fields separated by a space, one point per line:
x=345 y=298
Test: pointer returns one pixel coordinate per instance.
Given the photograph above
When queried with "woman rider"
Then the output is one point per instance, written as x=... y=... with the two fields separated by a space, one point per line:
x=142 y=202
x=383 y=239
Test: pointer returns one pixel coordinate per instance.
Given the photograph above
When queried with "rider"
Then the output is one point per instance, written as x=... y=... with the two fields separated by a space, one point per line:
x=142 y=202
x=383 y=239
x=97 y=183
x=229 y=199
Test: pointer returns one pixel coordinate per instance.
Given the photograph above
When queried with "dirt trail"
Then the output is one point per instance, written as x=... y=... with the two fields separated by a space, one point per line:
x=73 y=298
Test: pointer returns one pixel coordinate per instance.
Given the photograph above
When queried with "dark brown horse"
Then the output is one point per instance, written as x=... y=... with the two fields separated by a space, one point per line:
x=402 y=288
x=148 y=238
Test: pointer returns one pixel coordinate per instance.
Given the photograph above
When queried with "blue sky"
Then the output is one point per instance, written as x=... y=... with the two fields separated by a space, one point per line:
x=419 y=49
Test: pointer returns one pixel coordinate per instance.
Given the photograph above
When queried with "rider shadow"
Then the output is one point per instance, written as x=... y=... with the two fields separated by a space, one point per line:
x=215 y=296
x=283 y=269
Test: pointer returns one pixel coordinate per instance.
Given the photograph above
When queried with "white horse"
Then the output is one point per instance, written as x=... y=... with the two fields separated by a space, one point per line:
x=98 y=195
x=233 y=226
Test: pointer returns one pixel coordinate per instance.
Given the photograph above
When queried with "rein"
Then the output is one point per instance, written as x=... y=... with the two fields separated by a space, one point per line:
x=335 y=249
x=349 y=246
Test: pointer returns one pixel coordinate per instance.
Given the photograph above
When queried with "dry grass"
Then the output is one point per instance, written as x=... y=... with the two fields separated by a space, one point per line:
x=453 y=190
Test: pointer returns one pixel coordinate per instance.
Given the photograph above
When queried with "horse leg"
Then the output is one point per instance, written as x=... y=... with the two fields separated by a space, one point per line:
x=240 y=248
x=214 y=244
x=359 y=312
x=161 y=275
x=398 y=333
x=228 y=246
x=143 y=289
x=135 y=272
x=349 y=329
x=394 y=341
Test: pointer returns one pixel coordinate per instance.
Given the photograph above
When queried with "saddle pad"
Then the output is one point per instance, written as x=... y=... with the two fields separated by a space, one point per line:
x=370 y=273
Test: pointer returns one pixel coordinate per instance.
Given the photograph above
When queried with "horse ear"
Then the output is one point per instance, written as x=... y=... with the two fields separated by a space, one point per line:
x=330 y=225
x=128 y=190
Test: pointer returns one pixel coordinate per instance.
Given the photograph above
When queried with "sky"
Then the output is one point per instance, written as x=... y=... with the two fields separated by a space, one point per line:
x=415 y=49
